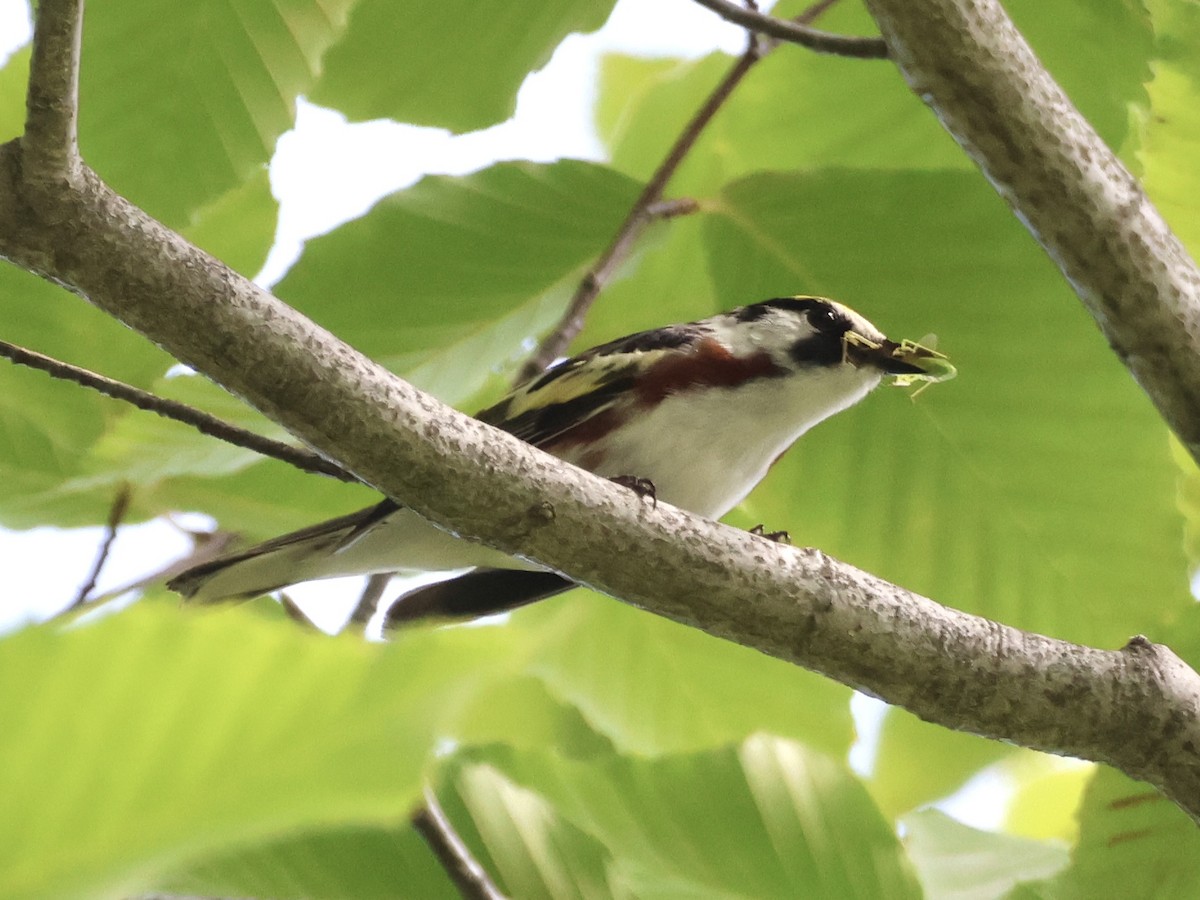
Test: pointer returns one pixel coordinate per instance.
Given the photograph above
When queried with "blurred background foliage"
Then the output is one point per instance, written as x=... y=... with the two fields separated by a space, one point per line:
x=584 y=748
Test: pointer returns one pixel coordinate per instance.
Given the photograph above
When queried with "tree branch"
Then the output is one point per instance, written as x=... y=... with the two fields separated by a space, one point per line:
x=116 y=514
x=1137 y=708
x=464 y=870
x=972 y=66
x=304 y=460
x=52 y=103
x=794 y=32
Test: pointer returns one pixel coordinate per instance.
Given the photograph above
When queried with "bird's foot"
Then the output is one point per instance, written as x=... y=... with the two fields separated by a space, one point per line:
x=643 y=487
x=779 y=537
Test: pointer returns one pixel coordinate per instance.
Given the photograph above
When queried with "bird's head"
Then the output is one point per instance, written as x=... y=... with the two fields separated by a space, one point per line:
x=816 y=334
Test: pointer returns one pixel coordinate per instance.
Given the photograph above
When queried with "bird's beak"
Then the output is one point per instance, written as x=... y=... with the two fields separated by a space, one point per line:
x=906 y=361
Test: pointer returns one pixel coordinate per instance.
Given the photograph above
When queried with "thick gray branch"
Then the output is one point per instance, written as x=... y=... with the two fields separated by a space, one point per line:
x=1135 y=708
x=968 y=62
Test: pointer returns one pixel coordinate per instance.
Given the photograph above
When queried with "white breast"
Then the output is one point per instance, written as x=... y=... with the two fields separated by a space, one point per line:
x=705 y=450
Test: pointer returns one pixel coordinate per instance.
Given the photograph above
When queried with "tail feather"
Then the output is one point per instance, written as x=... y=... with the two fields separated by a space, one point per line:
x=382 y=538
x=278 y=562
x=482 y=592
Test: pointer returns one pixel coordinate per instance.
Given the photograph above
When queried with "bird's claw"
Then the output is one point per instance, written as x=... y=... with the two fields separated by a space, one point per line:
x=779 y=537
x=643 y=487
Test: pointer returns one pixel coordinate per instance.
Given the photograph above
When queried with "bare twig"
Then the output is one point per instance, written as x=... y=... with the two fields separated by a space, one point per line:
x=649 y=205
x=464 y=870
x=296 y=613
x=796 y=31
x=368 y=601
x=52 y=103
x=556 y=342
x=208 y=546
x=116 y=514
x=302 y=459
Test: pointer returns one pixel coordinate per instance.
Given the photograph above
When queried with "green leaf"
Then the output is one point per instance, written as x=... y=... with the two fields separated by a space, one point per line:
x=666 y=282
x=152 y=738
x=144 y=448
x=14 y=78
x=59 y=439
x=1133 y=843
x=918 y=763
x=455 y=64
x=1036 y=488
x=1168 y=132
x=45 y=430
x=179 y=109
x=789 y=113
x=652 y=686
x=445 y=280
x=354 y=863
x=174 y=467
x=954 y=860
x=522 y=712
x=47 y=426
x=768 y=818
x=1046 y=803
x=262 y=501
x=523 y=842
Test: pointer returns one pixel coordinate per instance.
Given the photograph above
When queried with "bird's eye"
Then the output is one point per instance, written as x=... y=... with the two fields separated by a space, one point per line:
x=825 y=319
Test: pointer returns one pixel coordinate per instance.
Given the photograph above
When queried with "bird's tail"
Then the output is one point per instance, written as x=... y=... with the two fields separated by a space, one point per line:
x=482 y=592
x=277 y=563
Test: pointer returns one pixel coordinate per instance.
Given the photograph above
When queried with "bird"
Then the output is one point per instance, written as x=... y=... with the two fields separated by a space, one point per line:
x=690 y=414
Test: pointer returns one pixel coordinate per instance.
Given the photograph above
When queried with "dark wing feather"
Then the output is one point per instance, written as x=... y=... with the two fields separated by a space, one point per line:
x=579 y=389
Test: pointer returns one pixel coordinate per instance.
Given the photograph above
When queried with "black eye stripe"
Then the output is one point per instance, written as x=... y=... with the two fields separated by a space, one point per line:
x=820 y=349
x=828 y=320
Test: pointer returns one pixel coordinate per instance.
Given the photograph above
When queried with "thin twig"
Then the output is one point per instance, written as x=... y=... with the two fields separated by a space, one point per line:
x=464 y=870
x=296 y=613
x=368 y=601
x=302 y=459
x=50 y=145
x=795 y=31
x=208 y=546
x=650 y=205
x=672 y=209
x=556 y=342
x=116 y=514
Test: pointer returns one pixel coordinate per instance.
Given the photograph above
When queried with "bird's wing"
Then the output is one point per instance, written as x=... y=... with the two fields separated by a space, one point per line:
x=549 y=407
